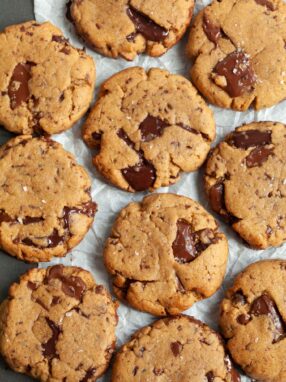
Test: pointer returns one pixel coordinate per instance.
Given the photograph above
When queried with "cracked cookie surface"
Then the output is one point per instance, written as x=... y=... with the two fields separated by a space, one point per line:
x=45 y=203
x=57 y=325
x=245 y=182
x=148 y=127
x=165 y=254
x=253 y=316
x=128 y=27
x=239 y=48
x=46 y=85
x=177 y=349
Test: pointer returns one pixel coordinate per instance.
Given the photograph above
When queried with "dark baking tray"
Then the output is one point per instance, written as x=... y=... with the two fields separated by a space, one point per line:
x=12 y=12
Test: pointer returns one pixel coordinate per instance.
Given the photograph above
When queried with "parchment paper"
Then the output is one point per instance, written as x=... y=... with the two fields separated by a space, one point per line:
x=88 y=254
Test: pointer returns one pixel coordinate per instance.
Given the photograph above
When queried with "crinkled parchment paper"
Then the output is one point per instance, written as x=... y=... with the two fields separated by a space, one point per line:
x=88 y=254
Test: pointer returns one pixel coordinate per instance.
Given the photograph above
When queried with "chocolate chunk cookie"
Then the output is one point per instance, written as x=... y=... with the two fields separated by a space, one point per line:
x=57 y=325
x=165 y=254
x=239 y=48
x=128 y=27
x=148 y=127
x=246 y=182
x=46 y=85
x=253 y=320
x=45 y=203
x=177 y=349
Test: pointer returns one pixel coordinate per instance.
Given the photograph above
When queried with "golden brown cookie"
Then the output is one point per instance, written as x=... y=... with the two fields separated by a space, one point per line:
x=57 y=325
x=46 y=85
x=128 y=27
x=245 y=181
x=45 y=203
x=239 y=51
x=177 y=349
x=165 y=254
x=148 y=127
x=253 y=316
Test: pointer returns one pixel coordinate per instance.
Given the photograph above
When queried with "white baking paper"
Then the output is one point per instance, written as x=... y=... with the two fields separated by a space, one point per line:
x=88 y=254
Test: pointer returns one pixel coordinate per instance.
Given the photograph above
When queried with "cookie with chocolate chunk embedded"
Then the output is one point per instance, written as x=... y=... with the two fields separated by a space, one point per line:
x=46 y=84
x=148 y=127
x=125 y=28
x=253 y=320
x=239 y=48
x=45 y=203
x=245 y=181
x=58 y=325
x=165 y=254
x=174 y=349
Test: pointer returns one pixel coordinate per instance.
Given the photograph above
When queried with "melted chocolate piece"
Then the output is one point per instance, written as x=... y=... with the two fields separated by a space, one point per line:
x=264 y=305
x=141 y=176
x=96 y=136
x=89 y=374
x=31 y=285
x=184 y=246
x=258 y=156
x=5 y=217
x=216 y=196
x=235 y=377
x=29 y=220
x=238 y=72
x=122 y=135
x=55 y=300
x=266 y=3
x=212 y=31
x=18 y=89
x=243 y=319
x=210 y=376
x=144 y=25
x=151 y=128
x=60 y=39
x=249 y=138
x=49 y=348
x=135 y=370
x=176 y=348
x=239 y=298
x=87 y=209
x=71 y=285
x=53 y=240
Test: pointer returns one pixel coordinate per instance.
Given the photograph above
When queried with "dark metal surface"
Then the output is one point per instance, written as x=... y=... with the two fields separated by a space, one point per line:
x=12 y=12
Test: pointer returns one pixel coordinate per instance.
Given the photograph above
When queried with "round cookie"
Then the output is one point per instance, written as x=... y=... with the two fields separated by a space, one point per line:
x=125 y=28
x=57 y=325
x=253 y=316
x=148 y=127
x=45 y=203
x=46 y=85
x=245 y=181
x=177 y=349
x=165 y=254
x=239 y=52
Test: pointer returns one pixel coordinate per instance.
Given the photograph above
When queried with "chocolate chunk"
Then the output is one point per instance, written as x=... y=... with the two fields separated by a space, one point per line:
x=49 y=348
x=237 y=70
x=141 y=176
x=249 y=138
x=243 y=319
x=144 y=25
x=96 y=136
x=31 y=285
x=264 y=305
x=5 y=217
x=89 y=374
x=18 y=89
x=60 y=39
x=212 y=31
x=210 y=376
x=29 y=220
x=151 y=128
x=176 y=348
x=52 y=241
x=122 y=135
x=135 y=370
x=87 y=209
x=216 y=196
x=71 y=285
x=188 y=245
x=235 y=377
x=258 y=156
x=266 y=3
x=56 y=300
x=239 y=298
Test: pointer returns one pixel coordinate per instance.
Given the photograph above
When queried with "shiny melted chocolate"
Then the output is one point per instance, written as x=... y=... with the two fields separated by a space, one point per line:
x=239 y=74
x=18 y=89
x=212 y=31
x=249 y=138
